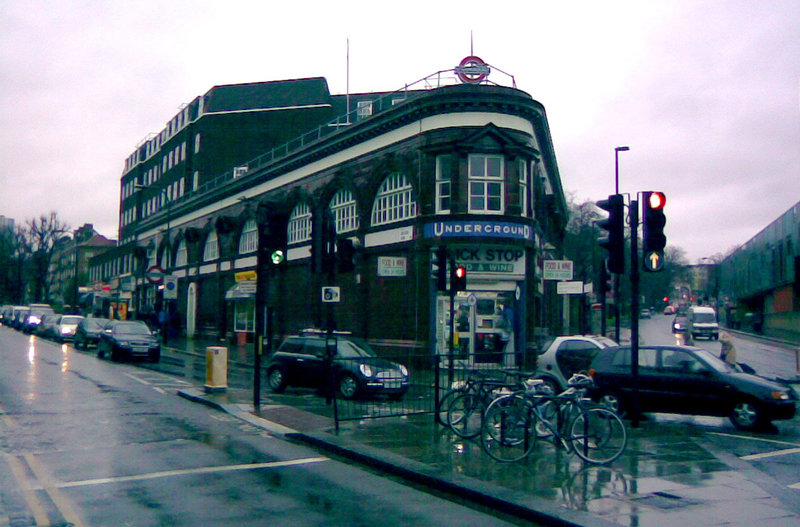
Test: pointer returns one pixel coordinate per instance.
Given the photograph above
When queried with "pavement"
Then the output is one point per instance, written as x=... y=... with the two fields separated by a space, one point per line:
x=670 y=473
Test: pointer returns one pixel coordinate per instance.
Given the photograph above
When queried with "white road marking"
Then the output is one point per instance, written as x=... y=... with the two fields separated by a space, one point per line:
x=774 y=453
x=736 y=436
x=182 y=472
x=795 y=486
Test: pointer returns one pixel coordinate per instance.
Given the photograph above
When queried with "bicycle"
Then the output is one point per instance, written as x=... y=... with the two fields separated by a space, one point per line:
x=513 y=424
x=465 y=412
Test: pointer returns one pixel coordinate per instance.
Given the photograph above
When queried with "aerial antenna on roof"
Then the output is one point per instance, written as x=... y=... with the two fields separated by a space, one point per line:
x=471 y=53
x=348 y=81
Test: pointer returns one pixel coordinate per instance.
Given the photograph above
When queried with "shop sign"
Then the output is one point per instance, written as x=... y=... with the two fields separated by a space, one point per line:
x=569 y=288
x=488 y=259
x=392 y=266
x=479 y=229
x=155 y=274
x=558 y=269
x=127 y=283
x=246 y=276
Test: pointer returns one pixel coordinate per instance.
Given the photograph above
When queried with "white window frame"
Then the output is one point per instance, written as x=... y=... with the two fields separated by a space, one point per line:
x=444 y=184
x=344 y=211
x=300 y=224
x=248 y=241
x=363 y=109
x=181 y=255
x=485 y=185
x=211 y=249
x=524 y=186
x=394 y=201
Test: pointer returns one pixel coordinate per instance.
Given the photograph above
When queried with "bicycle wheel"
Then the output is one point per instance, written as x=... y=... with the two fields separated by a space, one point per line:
x=447 y=400
x=465 y=415
x=507 y=432
x=597 y=435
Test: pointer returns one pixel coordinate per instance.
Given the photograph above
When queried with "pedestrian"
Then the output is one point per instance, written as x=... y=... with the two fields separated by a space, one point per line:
x=728 y=352
x=504 y=328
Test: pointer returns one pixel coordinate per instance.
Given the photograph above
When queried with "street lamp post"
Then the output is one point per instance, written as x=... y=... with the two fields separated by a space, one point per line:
x=617 y=150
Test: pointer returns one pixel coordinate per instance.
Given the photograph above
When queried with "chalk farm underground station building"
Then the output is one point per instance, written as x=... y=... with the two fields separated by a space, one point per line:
x=456 y=160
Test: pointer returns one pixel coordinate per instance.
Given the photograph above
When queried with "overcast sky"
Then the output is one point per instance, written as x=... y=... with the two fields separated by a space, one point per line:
x=706 y=94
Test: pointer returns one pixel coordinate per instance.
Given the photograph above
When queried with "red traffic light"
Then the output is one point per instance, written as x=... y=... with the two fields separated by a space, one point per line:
x=460 y=272
x=666 y=299
x=656 y=200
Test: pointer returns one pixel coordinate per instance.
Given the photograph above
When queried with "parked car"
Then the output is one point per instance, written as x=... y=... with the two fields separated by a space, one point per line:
x=703 y=322
x=5 y=313
x=566 y=355
x=357 y=370
x=689 y=380
x=47 y=327
x=66 y=327
x=34 y=317
x=645 y=313
x=128 y=339
x=18 y=316
x=88 y=332
x=670 y=310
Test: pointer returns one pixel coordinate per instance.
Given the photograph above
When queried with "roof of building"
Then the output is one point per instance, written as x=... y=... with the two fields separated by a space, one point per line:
x=272 y=94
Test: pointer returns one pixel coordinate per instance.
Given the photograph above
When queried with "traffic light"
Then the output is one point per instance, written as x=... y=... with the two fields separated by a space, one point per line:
x=614 y=240
x=439 y=268
x=345 y=255
x=653 y=238
x=458 y=279
x=274 y=235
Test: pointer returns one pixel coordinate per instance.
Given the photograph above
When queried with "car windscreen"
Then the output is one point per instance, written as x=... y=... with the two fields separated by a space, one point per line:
x=713 y=361
x=95 y=323
x=351 y=349
x=705 y=318
x=71 y=320
x=131 y=329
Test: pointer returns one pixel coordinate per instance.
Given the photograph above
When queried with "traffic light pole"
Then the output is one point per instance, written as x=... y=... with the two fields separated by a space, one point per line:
x=634 y=216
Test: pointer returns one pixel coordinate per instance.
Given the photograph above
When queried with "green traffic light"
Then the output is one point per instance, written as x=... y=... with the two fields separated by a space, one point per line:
x=277 y=257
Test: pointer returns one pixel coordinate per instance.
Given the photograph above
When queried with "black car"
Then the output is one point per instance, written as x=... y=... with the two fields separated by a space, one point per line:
x=688 y=380
x=356 y=370
x=128 y=339
x=88 y=332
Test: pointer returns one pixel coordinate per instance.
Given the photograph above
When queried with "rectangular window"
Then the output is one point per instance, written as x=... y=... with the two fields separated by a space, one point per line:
x=197 y=143
x=486 y=184
x=444 y=182
x=364 y=109
x=522 y=167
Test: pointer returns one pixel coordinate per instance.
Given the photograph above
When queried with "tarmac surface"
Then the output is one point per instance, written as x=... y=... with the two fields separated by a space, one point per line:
x=670 y=474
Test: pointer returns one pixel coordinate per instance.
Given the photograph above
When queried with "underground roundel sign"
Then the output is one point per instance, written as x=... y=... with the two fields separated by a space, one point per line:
x=155 y=275
x=472 y=70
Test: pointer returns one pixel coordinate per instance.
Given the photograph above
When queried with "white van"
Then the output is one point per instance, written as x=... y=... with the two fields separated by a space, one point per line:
x=702 y=322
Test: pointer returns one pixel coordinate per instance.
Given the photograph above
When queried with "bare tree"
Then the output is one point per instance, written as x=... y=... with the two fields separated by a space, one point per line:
x=41 y=235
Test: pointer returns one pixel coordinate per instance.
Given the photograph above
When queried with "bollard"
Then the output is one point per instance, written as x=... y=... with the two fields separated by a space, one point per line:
x=216 y=369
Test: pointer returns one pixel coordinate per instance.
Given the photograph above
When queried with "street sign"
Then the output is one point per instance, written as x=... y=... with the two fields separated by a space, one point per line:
x=170 y=287
x=246 y=276
x=155 y=275
x=569 y=288
x=558 y=269
x=331 y=294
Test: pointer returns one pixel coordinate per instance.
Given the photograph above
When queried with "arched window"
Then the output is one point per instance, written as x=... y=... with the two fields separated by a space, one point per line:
x=181 y=255
x=211 y=251
x=343 y=208
x=300 y=224
x=166 y=258
x=248 y=241
x=394 y=201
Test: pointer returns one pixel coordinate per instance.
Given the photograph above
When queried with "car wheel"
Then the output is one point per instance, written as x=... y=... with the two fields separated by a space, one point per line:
x=348 y=386
x=155 y=357
x=114 y=354
x=746 y=415
x=612 y=401
x=276 y=380
x=100 y=352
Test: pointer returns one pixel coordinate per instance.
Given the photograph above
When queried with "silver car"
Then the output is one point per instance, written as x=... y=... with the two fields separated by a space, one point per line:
x=566 y=355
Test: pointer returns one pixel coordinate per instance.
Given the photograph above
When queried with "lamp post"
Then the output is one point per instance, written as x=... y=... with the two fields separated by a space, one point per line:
x=617 y=150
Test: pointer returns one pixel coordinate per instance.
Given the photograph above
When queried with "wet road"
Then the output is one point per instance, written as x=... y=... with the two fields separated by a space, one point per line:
x=87 y=442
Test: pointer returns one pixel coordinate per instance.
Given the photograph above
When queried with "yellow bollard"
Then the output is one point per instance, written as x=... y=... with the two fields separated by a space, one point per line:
x=216 y=369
